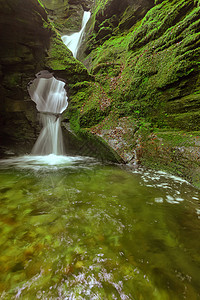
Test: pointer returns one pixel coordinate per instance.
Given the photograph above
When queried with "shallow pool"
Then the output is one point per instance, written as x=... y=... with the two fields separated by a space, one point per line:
x=72 y=228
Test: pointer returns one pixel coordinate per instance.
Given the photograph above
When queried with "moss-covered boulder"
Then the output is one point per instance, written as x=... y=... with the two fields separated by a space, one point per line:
x=59 y=59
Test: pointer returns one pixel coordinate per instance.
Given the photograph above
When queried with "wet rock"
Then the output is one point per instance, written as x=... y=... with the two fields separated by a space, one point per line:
x=66 y=16
x=112 y=18
x=29 y=44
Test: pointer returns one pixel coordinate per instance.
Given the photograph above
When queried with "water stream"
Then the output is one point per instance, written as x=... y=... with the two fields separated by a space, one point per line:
x=50 y=140
x=73 y=41
x=50 y=97
x=72 y=228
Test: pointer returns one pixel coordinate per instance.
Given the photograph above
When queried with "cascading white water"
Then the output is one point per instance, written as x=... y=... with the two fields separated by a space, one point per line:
x=50 y=140
x=51 y=100
x=73 y=41
x=48 y=93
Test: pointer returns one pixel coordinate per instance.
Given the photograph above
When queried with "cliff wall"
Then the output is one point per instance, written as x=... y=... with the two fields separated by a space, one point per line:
x=145 y=59
x=66 y=15
x=29 y=44
x=157 y=58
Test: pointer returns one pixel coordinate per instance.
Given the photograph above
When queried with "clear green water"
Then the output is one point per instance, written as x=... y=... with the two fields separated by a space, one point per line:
x=87 y=231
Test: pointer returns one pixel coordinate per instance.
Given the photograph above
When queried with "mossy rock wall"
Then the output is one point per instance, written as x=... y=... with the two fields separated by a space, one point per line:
x=146 y=72
x=110 y=18
x=151 y=69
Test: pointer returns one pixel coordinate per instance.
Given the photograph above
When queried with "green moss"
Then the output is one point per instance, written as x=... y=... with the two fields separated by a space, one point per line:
x=159 y=19
x=163 y=64
x=176 y=152
x=60 y=58
x=41 y=3
x=46 y=25
x=188 y=121
x=92 y=117
x=99 y=6
x=74 y=88
x=177 y=138
x=73 y=115
x=88 y=105
x=149 y=76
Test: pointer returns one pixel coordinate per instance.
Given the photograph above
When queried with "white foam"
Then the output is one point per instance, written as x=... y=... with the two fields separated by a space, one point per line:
x=173 y=200
x=159 y=200
x=51 y=161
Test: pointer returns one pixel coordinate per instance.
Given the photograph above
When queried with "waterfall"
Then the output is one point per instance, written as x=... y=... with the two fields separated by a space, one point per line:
x=73 y=41
x=50 y=140
x=51 y=100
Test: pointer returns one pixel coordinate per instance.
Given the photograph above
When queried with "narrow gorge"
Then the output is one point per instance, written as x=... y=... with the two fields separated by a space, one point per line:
x=100 y=149
x=138 y=91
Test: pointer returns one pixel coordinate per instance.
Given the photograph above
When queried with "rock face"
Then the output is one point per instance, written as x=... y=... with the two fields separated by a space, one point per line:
x=66 y=15
x=111 y=18
x=148 y=63
x=28 y=45
x=150 y=60
x=145 y=60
